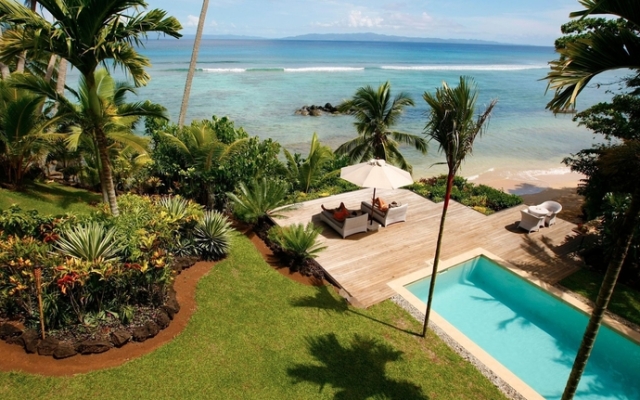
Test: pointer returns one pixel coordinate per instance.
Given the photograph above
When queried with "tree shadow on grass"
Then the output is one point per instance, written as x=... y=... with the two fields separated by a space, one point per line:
x=356 y=370
x=59 y=196
x=325 y=300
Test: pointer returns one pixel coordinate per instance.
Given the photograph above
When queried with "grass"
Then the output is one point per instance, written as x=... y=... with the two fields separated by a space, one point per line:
x=51 y=198
x=625 y=301
x=259 y=335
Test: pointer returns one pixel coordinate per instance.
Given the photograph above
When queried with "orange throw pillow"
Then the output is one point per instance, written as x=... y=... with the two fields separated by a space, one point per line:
x=341 y=214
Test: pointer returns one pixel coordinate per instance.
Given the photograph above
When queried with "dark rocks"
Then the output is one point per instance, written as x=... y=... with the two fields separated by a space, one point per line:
x=171 y=307
x=181 y=263
x=120 y=337
x=162 y=319
x=316 y=111
x=147 y=331
x=93 y=346
x=30 y=341
x=64 y=350
x=9 y=329
x=48 y=346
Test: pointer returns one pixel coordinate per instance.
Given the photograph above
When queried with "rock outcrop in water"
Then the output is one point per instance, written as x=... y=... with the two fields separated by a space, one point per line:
x=316 y=111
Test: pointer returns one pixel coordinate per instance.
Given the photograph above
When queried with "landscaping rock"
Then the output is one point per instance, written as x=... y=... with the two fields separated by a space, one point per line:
x=93 y=346
x=171 y=307
x=120 y=337
x=9 y=329
x=147 y=331
x=48 y=346
x=30 y=341
x=162 y=319
x=64 y=350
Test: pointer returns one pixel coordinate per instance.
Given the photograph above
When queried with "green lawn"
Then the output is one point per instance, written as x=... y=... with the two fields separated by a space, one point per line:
x=625 y=301
x=259 y=335
x=50 y=198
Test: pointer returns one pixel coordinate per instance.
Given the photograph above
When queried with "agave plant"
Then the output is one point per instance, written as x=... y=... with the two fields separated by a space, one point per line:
x=258 y=199
x=92 y=242
x=213 y=236
x=298 y=240
x=175 y=206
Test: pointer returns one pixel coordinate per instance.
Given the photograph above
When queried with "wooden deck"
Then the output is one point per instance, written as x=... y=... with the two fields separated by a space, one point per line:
x=363 y=263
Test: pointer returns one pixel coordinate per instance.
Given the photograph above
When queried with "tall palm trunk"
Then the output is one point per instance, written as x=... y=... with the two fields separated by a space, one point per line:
x=436 y=260
x=62 y=75
x=192 y=64
x=107 y=175
x=604 y=295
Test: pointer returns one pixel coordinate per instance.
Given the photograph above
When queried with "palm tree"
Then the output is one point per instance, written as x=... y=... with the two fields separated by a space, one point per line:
x=23 y=131
x=451 y=123
x=110 y=114
x=87 y=33
x=192 y=64
x=580 y=60
x=376 y=112
x=310 y=171
x=203 y=151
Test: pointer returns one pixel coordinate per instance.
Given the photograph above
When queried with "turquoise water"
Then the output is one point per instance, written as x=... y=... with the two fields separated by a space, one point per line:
x=531 y=332
x=260 y=84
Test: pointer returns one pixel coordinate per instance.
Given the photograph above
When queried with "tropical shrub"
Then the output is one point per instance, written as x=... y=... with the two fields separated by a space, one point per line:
x=481 y=198
x=92 y=242
x=212 y=236
x=258 y=199
x=297 y=242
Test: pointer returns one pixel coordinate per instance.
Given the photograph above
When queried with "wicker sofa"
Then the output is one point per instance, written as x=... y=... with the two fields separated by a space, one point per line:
x=393 y=214
x=351 y=225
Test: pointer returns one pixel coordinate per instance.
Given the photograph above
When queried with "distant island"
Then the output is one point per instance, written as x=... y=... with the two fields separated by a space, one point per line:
x=349 y=37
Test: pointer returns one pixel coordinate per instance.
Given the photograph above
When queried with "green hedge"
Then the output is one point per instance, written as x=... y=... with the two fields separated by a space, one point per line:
x=482 y=198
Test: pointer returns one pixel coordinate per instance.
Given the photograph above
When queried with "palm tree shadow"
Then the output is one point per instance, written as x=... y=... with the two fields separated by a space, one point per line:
x=325 y=300
x=356 y=370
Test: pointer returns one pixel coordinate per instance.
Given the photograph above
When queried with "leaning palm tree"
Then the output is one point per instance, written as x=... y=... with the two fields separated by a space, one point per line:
x=376 y=112
x=580 y=60
x=192 y=64
x=451 y=123
x=87 y=33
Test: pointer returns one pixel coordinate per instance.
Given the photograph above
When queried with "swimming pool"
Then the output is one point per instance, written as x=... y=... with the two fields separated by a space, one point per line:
x=532 y=333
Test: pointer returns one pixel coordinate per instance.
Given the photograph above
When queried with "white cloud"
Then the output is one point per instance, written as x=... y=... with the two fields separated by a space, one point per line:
x=192 y=20
x=357 y=20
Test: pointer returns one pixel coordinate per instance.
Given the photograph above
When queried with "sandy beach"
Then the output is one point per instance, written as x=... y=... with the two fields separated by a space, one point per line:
x=537 y=186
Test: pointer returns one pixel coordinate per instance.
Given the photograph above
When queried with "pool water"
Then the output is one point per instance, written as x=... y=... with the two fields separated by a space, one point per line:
x=531 y=332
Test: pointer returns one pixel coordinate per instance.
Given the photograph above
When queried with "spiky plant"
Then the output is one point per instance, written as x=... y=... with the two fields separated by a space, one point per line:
x=298 y=241
x=212 y=235
x=91 y=242
x=175 y=206
x=258 y=199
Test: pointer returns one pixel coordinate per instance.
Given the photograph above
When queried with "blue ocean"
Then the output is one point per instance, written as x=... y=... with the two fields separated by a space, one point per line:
x=260 y=84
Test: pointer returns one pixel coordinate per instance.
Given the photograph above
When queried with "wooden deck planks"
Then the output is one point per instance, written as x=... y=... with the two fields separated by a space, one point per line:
x=363 y=263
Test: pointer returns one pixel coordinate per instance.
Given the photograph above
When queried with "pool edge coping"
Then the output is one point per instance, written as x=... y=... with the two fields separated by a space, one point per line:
x=398 y=285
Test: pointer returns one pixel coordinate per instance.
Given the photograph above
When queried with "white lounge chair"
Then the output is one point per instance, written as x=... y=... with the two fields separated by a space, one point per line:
x=530 y=222
x=554 y=208
x=391 y=216
x=350 y=226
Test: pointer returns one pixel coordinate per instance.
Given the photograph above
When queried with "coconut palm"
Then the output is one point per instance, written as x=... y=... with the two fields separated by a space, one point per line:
x=601 y=50
x=376 y=112
x=110 y=114
x=87 y=33
x=581 y=59
x=310 y=171
x=452 y=123
x=192 y=64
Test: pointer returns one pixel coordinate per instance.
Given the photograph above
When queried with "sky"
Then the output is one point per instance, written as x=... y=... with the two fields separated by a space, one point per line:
x=532 y=22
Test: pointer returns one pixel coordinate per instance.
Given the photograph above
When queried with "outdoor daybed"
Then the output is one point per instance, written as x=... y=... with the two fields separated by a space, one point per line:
x=392 y=215
x=351 y=225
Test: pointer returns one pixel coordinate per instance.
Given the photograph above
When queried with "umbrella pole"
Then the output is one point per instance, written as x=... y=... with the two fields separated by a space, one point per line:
x=373 y=201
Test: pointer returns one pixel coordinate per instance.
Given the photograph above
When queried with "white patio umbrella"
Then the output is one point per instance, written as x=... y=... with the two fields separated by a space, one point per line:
x=376 y=174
